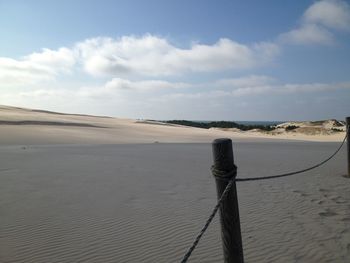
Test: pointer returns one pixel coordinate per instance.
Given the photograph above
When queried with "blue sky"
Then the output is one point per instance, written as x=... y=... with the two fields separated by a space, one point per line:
x=220 y=60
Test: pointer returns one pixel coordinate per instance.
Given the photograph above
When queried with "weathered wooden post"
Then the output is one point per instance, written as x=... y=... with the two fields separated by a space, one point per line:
x=229 y=213
x=348 y=141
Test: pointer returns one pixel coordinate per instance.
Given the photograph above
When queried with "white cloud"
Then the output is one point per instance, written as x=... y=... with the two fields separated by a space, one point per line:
x=265 y=51
x=318 y=23
x=35 y=67
x=161 y=99
x=14 y=72
x=256 y=85
x=123 y=87
x=236 y=87
x=314 y=87
x=131 y=56
x=146 y=85
x=154 y=56
x=60 y=60
x=253 y=85
x=308 y=34
x=246 y=81
x=330 y=13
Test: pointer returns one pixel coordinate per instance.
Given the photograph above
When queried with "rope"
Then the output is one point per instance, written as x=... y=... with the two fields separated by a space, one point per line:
x=207 y=223
x=229 y=176
x=295 y=172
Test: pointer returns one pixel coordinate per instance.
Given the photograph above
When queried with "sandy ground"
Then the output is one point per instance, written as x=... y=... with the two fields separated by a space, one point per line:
x=147 y=202
x=24 y=126
x=79 y=188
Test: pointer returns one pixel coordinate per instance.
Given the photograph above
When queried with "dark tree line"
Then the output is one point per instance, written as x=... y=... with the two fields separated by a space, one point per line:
x=221 y=124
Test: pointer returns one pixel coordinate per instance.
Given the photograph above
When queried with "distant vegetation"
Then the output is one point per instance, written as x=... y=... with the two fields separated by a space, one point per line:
x=336 y=130
x=317 y=122
x=291 y=127
x=221 y=124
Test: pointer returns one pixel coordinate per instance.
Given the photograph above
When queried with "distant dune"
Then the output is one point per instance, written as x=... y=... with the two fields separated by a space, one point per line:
x=31 y=126
x=314 y=127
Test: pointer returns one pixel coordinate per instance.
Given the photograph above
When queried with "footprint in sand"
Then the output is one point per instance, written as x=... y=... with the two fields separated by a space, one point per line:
x=327 y=213
x=323 y=190
x=321 y=202
x=301 y=193
x=345 y=231
x=338 y=199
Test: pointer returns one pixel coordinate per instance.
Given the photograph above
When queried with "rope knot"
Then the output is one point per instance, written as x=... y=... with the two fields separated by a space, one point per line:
x=224 y=175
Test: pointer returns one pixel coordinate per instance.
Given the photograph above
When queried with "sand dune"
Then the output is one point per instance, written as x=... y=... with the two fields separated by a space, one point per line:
x=71 y=191
x=44 y=127
x=49 y=123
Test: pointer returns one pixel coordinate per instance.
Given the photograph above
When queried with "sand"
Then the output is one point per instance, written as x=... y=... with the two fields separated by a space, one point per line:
x=67 y=196
x=146 y=203
x=25 y=126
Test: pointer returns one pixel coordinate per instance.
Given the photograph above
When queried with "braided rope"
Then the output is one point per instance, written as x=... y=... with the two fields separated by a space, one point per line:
x=207 y=223
x=295 y=172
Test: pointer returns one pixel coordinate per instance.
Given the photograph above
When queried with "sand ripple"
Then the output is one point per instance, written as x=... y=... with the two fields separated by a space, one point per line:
x=146 y=203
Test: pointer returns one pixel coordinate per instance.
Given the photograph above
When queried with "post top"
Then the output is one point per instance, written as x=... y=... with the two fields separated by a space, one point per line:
x=223 y=154
x=222 y=141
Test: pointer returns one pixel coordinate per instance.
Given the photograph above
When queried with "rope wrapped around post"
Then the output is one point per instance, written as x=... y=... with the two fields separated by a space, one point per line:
x=225 y=172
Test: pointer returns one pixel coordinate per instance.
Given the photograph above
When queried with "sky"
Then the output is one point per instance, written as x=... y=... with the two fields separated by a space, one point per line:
x=185 y=59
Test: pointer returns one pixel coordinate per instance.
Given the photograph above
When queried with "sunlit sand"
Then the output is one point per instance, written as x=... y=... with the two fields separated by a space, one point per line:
x=103 y=190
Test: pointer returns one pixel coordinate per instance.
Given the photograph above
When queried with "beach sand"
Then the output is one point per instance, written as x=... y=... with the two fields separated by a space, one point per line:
x=69 y=196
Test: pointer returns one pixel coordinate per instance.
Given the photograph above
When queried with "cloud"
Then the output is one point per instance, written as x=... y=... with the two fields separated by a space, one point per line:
x=333 y=14
x=130 y=56
x=319 y=22
x=154 y=56
x=256 y=86
x=124 y=87
x=146 y=85
x=238 y=86
x=61 y=60
x=314 y=87
x=246 y=81
x=308 y=34
x=16 y=72
x=161 y=99
x=36 y=67
x=234 y=87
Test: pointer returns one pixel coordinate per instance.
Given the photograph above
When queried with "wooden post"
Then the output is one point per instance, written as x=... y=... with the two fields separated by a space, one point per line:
x=229 y=214
x=348 y=142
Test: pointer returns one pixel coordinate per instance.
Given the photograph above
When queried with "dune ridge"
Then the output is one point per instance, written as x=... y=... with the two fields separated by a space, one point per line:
x=49 y=123
x=28 y=126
